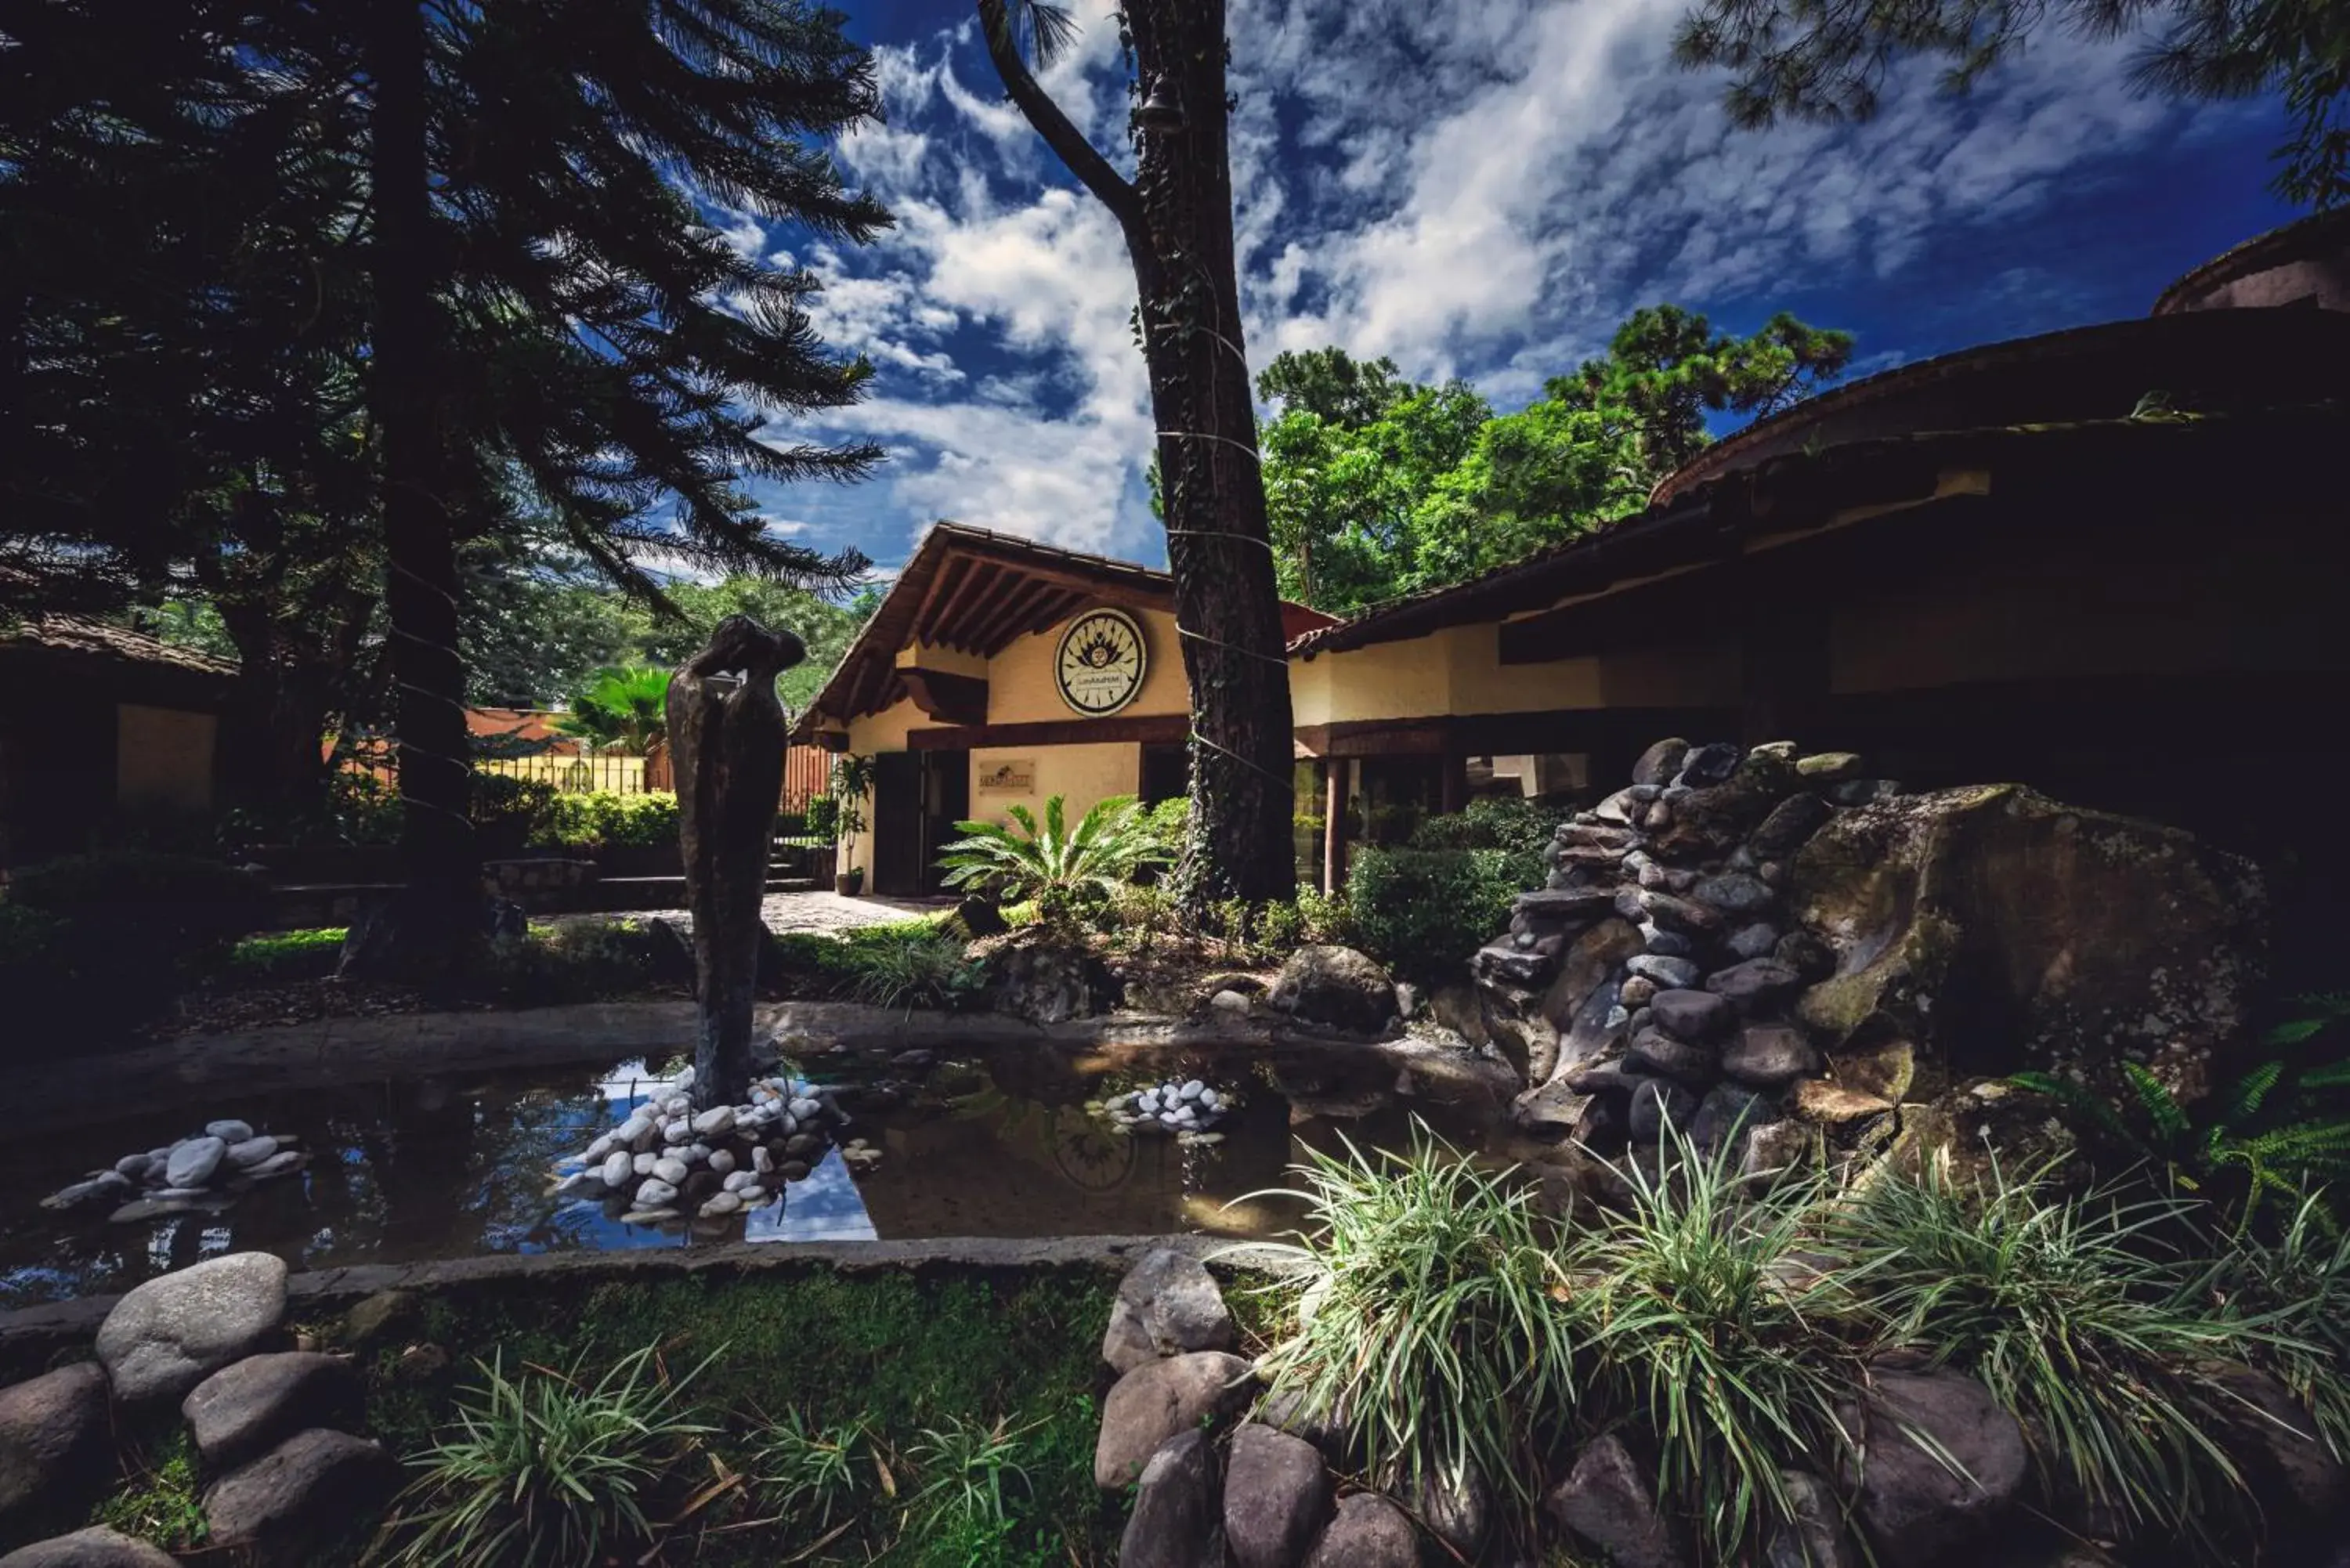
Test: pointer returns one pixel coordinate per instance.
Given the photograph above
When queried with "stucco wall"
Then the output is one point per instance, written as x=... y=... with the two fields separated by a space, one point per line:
x=164 y=759
x=1081 y=774
x=1021 y=690
x=1459 y=671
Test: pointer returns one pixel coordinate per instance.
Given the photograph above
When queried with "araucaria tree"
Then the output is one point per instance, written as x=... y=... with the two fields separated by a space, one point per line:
x=1177 y=217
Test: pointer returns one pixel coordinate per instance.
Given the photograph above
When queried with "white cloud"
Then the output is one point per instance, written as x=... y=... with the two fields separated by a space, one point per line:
x=1481 y=188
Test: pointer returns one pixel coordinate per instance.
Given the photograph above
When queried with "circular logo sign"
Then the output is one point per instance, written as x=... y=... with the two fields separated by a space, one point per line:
x=1100 y=665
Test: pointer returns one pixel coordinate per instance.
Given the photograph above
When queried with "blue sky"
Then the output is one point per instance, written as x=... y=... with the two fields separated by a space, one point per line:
x=1481 y=188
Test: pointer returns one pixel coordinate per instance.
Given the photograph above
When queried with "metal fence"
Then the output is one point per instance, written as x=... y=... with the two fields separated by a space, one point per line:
x=807 y=770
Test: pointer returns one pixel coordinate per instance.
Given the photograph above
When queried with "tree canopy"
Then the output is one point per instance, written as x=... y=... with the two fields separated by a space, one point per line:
x=1827 y=59
x=1377 y=486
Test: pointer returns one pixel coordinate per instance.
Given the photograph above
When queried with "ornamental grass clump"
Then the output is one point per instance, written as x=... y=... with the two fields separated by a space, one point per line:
x=1714 y=1328
x=817 y=1478
x=1427 y=1326
x=544 y=1468
x=2080 y=1316
x=2300 y=1279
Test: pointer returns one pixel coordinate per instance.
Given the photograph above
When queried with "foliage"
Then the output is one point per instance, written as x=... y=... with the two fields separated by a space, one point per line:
x=1425 y=1321
x=2078 y=1314
x=508 y=812
x=881 y=1356
x=813 y=1477
x=822 y=818
x=594 y=819
x=1521 y=827
x=280 y=955
x=1422 y=912
x=1065 y=870
x=2282 y=1126
x=1326 y=918
x=1169 y=826
x=852 y=781
x=166 y=1502
x=166 y=906
x=1829 y=62
x=2300 y=1279
x=1376 y=487
x=1710 y=1330
x=909 y=965
x=545 y=1469
x=968 y=1469
x=620 y=711
x=576 y=961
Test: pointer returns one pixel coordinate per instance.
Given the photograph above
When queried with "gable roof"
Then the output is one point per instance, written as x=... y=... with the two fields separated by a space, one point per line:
x=76 y=636
x=976 y=590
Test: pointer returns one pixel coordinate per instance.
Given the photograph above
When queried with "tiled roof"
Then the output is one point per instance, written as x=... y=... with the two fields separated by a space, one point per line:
x=76 y=636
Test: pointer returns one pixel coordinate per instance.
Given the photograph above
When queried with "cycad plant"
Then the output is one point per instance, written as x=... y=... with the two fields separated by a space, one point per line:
x=544 y=1468
x=622 y=711
x=1061 y=869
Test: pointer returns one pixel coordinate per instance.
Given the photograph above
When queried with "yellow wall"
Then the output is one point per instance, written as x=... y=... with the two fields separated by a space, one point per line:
x=163 y=758
x=1021 y=690
x=1082 y=775
x=1459 y=671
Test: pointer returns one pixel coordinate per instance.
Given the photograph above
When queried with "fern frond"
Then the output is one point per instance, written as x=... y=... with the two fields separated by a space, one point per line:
x=2162 y=1108
x=2243 y=1101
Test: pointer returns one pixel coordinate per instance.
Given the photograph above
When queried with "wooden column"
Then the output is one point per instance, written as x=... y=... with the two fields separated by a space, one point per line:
x=1333 y=824
x=1453 y=792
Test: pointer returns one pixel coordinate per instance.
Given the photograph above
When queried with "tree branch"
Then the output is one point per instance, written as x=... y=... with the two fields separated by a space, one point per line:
x=1068 y=142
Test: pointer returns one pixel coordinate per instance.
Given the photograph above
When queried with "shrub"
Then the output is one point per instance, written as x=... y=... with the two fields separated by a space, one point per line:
x=1504 y=822
x=1326 y=918
x=281 y=955
x=822 y=817
x=814 y=1477
x=171 y=905
x=2300 y=1279
x=2078 y=1314
x=909 y=965
x=1064 y=870
x=542 y=1470
x=1423 y=912
x=1426 y=1327
x=1712 y=1334
x=598 y=819
x=509 y=812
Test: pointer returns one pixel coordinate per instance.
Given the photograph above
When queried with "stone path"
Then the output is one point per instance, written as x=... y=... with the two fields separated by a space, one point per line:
x=827 y=913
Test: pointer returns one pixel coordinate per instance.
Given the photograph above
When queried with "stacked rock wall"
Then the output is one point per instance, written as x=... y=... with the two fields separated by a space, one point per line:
x=1756 y=946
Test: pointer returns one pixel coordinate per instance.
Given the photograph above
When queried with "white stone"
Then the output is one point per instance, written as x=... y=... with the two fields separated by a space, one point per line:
x=762 y=1162
x=581 y=1184
x=229 y=1131
x=805 y=1110
x=677 y=1105
x=720 y=1203
x=648 y=1216
x=1229 y=1002
x=752 y=1196
x=1208 y=1100
x=695 y=1153
x=192 y=1164
x=715 y=1122
x=283 y=1162
x=638 y=1132
x=736 y=1180
x=684 y=1080
x=721 y=1160
x=642 y=1164
x=133 y=1166
x=654 y=1192
x=1191 y=1090
x=671 y=1171
x=252 y=1151
x=1148 y=1102
x=618 y=1167
x=599 y=1150
x=678 y=1132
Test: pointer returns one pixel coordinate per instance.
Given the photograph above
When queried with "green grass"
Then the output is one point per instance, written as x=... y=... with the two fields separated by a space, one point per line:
x=275 y=957
x=164 y=1500
x=1002 y=1377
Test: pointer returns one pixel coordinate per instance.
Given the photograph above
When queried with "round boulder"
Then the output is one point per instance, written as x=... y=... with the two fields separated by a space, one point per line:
x=1276 y=1497
x=243 y=1411
x=1177 y=1521
x=308 y=1491
x=166 y=1336
x=1338 y=987
x=54 y=1441
x=1158 y=1399
x=95 y=1548
x=1369 y=1531
x=1921 y=1507
x=1606 y=1501
x=1167 y=1304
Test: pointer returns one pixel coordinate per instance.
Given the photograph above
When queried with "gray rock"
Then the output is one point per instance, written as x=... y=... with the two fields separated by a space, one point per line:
x=1813 y=1535
x=1667 y=944
x=1563 y=906
x=1367 y=1532
x=1167 y=1304
x=618 y=1167
x=1285 y=1412
x=1753 y=942
x=1791 y=822
x=1654 y=1051
x=1638 y=991
x=1863 y=792
x=246 y=1153
x=55 y=1443
x=1656 y=1101
x=671 y=1170
x=140 y=1210
x=97 y=1547
x=379 y=1317
x=135 y=1166
x=1276 y=1497
x=308 y=1491
x=1827 y=767
x=1733 y=892
x=1457 y=1510
x=1770 y=1056
x=284 y=1162
x=229 y=1131
x=653 y=1191
x=193 y=1163
x=1178 y=1520
x=1723 y=1116
x=1669 y=973
x=1756 y=983
x=714 y=1122
x=2278 y=1446
x=1675 y=913
x=1158 y=1399
x=1808 y=955
x=1918 y=1506
x=240 y=1412
x=1336 y=987
x=106 y=1187
x=1707 y=766
x=1606 y=1501
x=1692 y=1014
x=1660 y=762
x=166 y=1336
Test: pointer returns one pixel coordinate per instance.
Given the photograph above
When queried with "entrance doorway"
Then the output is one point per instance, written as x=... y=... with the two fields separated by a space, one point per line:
x=918 y=798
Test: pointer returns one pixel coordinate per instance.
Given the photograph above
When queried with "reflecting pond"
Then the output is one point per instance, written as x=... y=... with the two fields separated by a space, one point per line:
x=453 y=1165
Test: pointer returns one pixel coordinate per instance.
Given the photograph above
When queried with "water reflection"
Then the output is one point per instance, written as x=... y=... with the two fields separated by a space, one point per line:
x=459 y=1165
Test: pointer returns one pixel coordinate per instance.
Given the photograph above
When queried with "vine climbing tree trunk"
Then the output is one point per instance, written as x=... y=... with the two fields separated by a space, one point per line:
x=1177 y=217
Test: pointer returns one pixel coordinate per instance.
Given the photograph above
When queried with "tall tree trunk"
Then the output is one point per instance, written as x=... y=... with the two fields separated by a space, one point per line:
x=1178 y=220
x=420 y=583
